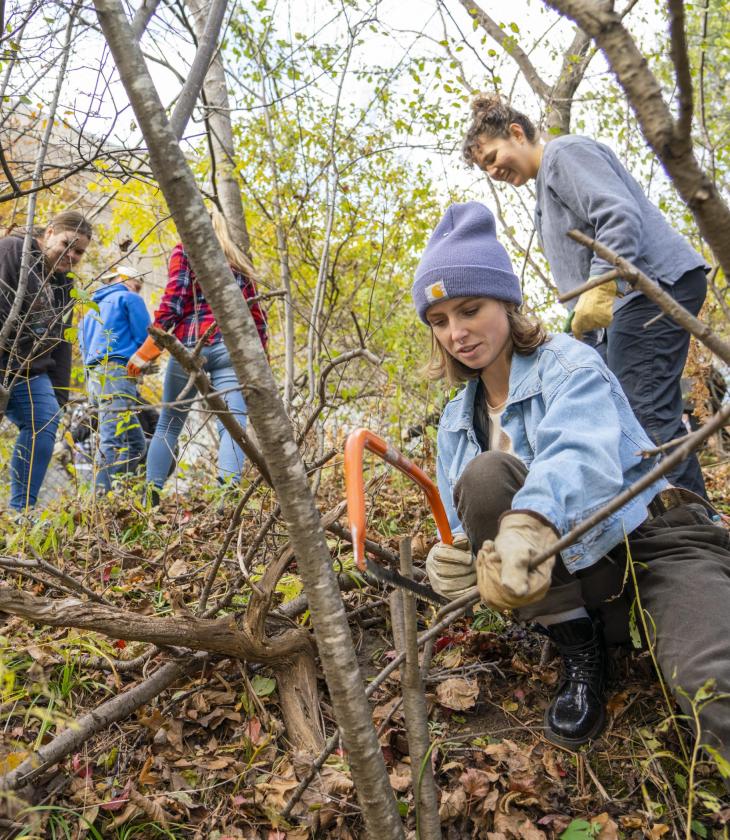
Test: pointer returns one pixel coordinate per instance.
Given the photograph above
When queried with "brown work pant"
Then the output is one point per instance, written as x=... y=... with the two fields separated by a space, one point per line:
x=682 y=567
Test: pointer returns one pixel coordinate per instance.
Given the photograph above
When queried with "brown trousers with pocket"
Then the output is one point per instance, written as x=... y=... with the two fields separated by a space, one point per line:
x=682 y=565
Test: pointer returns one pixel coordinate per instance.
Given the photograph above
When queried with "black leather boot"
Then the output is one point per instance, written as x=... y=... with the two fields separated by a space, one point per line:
x=577 y=712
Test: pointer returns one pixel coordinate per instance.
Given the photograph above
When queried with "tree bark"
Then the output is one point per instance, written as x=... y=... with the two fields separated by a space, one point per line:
x=271 y=424
x=215 y=635
x=669 y=142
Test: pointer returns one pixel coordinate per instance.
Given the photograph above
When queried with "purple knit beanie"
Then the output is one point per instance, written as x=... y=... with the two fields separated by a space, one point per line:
x=464 y=259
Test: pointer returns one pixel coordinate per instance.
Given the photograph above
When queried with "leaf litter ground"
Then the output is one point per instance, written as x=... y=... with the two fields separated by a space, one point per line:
x=209 y=758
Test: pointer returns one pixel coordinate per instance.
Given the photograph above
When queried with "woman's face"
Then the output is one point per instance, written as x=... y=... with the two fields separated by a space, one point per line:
x=474 y=330
x=62 y=249
x=512 y=159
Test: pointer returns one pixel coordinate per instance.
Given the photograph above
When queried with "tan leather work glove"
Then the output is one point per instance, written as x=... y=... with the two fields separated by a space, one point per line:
x=450 y=568
x=594 y=309
x=504 y=578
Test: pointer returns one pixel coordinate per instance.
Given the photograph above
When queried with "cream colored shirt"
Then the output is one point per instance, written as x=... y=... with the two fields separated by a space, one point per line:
x=499 y=440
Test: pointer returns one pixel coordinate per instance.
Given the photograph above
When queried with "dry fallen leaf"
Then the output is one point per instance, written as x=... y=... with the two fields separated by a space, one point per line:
x=476 y=783
x=656 y=831
x=631 y=821
x=457 y=693
x=452 y=658
x=453 y=804
x=608 y=828
x=400 y=781
x=517 y=824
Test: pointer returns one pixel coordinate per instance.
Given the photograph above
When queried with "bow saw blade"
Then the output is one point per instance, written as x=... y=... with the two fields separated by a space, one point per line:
x=393 y=578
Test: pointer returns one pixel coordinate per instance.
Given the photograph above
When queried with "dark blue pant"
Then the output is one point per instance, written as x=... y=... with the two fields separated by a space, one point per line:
x=33 y=408
x=648 y=362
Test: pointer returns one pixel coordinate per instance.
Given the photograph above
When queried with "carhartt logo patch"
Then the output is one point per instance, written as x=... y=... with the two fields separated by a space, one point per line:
x=435 y=291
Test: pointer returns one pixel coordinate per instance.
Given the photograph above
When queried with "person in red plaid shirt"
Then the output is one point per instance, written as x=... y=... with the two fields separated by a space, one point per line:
x=185 y=312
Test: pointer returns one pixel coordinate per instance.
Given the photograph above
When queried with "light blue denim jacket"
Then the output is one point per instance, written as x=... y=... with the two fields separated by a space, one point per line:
x=571 y=425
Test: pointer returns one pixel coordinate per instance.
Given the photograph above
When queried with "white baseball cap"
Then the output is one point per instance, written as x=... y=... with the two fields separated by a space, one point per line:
x=126 y=272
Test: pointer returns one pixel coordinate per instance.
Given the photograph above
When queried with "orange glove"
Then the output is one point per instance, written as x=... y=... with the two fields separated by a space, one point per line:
x=143 y=357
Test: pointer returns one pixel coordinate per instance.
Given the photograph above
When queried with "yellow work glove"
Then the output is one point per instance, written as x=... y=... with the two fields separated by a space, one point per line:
x=504 y=577
x=450 y=568
x=594 y=309
x=143 y=357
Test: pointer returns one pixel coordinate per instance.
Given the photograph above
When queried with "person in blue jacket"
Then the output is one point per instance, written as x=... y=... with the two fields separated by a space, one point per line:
x=580 y=183
x=540 y=438
x=108 y=339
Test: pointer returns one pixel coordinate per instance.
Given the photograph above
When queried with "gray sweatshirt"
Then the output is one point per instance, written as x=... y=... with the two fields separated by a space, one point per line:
x=582 y=184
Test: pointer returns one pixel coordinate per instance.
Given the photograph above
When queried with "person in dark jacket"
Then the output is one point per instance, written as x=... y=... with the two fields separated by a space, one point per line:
x=108 y=339
x=35 y=357
x=582 y=184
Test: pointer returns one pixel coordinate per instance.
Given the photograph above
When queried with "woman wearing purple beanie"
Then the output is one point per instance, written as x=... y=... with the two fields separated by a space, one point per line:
x=521 y=460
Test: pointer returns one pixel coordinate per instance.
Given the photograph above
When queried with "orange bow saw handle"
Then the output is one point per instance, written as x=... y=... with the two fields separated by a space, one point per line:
x=356 y=443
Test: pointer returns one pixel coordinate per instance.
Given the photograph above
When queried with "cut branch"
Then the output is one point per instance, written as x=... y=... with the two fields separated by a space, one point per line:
x=111 y=711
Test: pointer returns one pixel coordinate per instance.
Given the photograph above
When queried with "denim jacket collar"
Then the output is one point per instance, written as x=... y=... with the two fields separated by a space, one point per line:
x=523 y=384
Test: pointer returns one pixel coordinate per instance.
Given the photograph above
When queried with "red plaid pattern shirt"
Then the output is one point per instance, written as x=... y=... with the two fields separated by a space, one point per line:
x=184 y=309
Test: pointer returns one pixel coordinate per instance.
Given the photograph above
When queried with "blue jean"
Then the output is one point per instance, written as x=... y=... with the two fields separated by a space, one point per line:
x=648 y=362
x=121 y=439
x=172 y=419
x=34 y=409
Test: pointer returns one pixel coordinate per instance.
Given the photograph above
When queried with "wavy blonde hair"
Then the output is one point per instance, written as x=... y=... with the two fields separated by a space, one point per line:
x=234 y=254
x=526 y=335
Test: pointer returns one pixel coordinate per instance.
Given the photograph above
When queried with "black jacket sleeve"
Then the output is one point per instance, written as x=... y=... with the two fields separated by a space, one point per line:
x=11 y=252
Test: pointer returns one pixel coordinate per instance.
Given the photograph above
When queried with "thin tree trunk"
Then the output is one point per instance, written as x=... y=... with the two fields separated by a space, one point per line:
x=272 y=426
x=218 y=115
x=282 y=249
x=428 y=824
x=207 y=47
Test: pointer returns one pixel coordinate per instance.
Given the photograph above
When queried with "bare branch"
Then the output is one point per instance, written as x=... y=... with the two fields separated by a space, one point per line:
x=143 y=16
x=510 y=46
x=219 y=635
x=681 y=68
x=207 y=45
x=654 y=292
x=213 y=400
x=20 y=292
x=111 y=711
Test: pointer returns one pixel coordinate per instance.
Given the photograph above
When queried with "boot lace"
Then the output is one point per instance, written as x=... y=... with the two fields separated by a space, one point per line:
x=583 y=662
